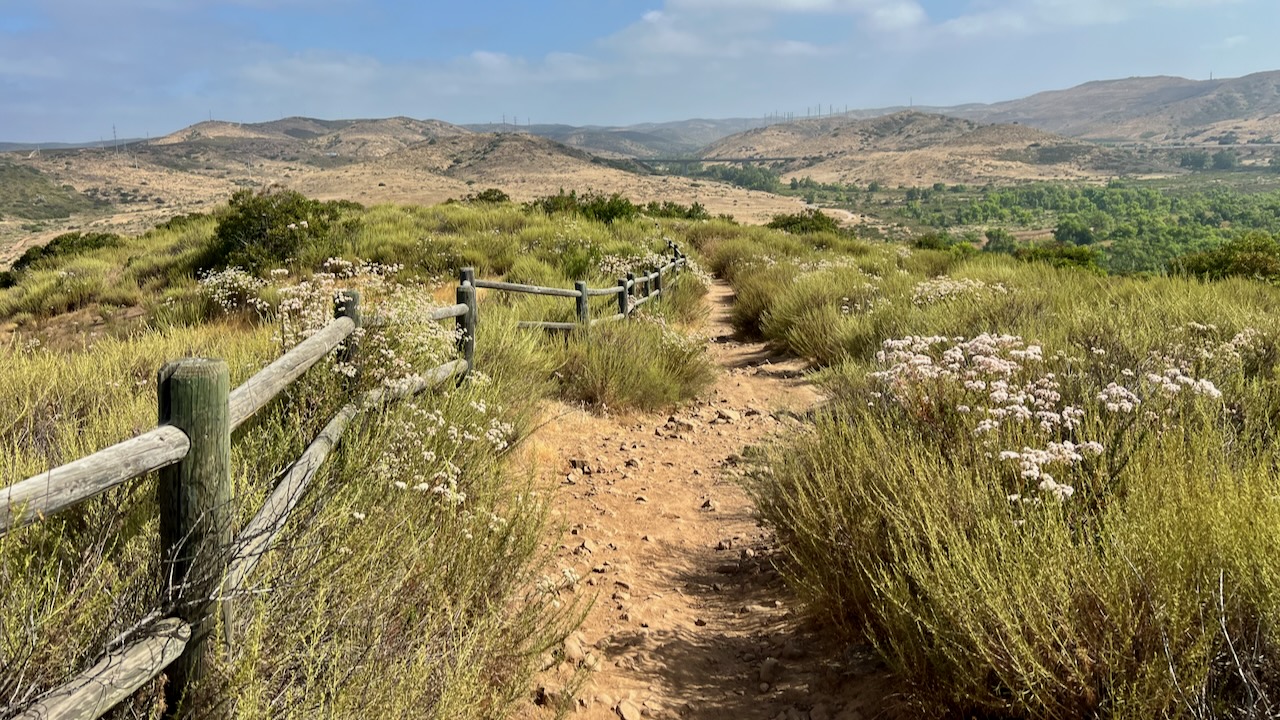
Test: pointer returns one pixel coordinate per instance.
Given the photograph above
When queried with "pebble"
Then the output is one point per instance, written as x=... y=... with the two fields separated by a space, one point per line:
x=628 y=711
x=573 y=651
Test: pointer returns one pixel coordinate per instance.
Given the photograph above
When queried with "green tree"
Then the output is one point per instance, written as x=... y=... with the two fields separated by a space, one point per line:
x=1195 y=160
x=1074 y=230
x=1225 y=160
x=1000 y=240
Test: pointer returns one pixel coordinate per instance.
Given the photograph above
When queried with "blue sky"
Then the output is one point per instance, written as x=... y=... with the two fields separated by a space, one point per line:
x=71 y=69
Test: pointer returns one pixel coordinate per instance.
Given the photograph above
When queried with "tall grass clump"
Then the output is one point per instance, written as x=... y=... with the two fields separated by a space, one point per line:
x=1037 y=492
x=641 y=364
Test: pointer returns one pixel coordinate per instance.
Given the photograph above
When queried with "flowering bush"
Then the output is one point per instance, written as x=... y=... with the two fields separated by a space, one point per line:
x=941 y=289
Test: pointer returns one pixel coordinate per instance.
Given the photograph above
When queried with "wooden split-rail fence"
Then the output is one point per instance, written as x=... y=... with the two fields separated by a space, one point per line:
x=631 y=292
x=207 y=562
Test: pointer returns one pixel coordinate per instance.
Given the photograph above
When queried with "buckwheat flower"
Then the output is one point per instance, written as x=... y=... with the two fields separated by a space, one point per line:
x=1207 y=388
x=357 y=515
x=986 y=426
x=1060 y=491
x=400 y=484
x=1092 y=447
x=963 y=409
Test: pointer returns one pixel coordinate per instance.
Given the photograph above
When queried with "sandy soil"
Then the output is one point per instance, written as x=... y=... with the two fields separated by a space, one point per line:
x=690 y=617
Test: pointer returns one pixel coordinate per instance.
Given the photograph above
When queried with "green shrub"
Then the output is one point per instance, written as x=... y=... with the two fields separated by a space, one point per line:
x=991 y=592
x=811 y=220
x=72 y=243
x=1254 y=255
x=595 y=206
x=270 y=229
x=1065 y=255
x=489 y=195
x=668 y=209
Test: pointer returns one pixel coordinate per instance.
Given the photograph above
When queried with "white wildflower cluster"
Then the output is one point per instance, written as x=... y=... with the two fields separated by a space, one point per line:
x=1207 y=346
x=700 y=273
x=234 y=289
x=997 y=380
x=944 y=288
x=426 y=447
x=863 y=300
x=617 y=266
x=307 y=306
x=407 y=341
x=828 y=263
x=684 y=343
x=1032 y=463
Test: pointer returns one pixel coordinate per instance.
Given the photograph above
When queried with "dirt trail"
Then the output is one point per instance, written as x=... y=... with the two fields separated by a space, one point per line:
x=690 y=619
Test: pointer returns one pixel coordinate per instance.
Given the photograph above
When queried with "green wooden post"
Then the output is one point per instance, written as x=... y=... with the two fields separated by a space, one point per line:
x=622 y=295
x=194 y=498
x=584 y=310
x=467 y=321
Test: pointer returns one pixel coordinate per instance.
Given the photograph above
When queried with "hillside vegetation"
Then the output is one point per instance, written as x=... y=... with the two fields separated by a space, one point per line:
x=28 y=194
x=1037 y=491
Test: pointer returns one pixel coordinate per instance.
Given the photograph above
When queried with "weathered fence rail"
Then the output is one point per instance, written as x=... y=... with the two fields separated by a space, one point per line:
x=207 y=561
x=631 y=292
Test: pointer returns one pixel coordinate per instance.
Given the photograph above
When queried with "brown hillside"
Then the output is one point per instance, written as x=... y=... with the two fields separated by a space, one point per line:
x=1150 y=109
x=912 y=148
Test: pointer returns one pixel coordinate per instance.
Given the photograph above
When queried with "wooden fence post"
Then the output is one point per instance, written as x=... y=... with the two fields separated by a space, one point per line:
x=631 y=291
x=194 y=498
x=622 y=296
x=467 y=321
x=584 y=310
x=657 y=281
x=347 y=304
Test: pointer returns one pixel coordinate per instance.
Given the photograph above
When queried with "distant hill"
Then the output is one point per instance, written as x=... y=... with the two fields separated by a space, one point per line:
x=646 y=140
x=328 y=138
x=912 y=148
x=1158 y=110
